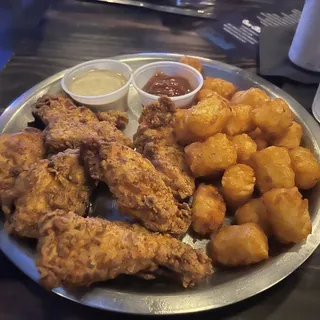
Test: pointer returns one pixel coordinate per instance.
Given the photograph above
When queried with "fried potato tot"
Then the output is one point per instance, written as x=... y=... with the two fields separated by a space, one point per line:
x=214 y=155
x=288 y=214
x=305 y=166
x=183 y=135
x=222 y=87
x=208 y=117
x=245 y=147
x=192 y=62
x=208 y=93
x=240 y=121
x=260 y=138
x=254 y=211
x=272 y=167
x=238 y=184
x=291 y=138
x=208 y=210
x=273 y=117
x=253 y=97
x=240 y=245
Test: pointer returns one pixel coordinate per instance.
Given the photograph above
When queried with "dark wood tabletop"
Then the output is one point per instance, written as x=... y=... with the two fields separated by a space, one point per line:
x=70 y=32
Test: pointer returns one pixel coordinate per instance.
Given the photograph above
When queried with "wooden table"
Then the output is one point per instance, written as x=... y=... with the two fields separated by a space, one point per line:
x=71 y=32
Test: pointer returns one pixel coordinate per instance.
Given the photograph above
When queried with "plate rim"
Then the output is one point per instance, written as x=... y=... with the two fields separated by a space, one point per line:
x=116 y=302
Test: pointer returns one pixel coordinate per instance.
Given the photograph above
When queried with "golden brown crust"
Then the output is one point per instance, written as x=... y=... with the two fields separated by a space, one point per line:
x=17 y=152
x=240 y=245
x=208 y=210
x=58 y=183
x=288 y=214
x=68 y=125
x=76 y=251
x=138 y=187
x=272 y=168
x=155 y=139
x=305 y=166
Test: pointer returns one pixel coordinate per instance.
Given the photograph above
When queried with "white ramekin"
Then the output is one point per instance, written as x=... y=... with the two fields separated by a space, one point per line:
x=142 y=75
x=115 y=100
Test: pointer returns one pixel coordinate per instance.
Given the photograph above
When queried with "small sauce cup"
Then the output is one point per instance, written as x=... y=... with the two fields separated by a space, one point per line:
x=116 y=100
x=143 y=74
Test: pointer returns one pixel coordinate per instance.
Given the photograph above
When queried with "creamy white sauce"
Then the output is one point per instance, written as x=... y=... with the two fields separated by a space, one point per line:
x=97 y=82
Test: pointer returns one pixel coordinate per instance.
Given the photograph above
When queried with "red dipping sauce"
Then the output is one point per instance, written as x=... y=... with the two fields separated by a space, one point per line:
x=164 y=84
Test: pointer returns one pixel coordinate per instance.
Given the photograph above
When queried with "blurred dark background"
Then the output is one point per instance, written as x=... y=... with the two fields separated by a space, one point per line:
x=17 y=19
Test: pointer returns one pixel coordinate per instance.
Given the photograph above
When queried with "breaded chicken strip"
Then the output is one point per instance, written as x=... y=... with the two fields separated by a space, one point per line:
x=138 y=187
x=76 y=251
x=58 y=183
x=156 y=140
x=69 y=125
x=17 y=152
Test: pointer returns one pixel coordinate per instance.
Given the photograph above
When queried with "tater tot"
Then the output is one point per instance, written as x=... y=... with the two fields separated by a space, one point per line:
x=272 y=168
x=193 y=62
x=245 y=147
x=208 y=93
x=305 y=166
x=183 y=135
x=240 y=121
x=239 y=245
x=288 y=214
x=222 y=87
x=208 y=210
x=273 y=117
x=291 y=138
x=260 y=138
x=254 y=211
x=214 y=155
x=238 y=184
x=208 y=117
x=254 y=97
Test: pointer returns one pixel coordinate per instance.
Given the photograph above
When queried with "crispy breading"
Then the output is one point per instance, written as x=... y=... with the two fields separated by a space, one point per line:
x=76 y=251
x=17 y=152
x=137 y=186
x=156 y=140
x=58 y=183
x=68 y=125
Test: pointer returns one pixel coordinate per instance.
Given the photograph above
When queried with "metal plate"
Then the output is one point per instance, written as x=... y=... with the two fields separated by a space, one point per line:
x=132 y=295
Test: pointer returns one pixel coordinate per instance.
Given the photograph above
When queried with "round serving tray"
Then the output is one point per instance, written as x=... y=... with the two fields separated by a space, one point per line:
x=133 y=295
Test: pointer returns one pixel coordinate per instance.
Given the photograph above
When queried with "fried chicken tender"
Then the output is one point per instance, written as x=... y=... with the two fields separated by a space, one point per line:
x=208 y=210
x=17 y=152
x=272 y=168
x=240 y=121
x=254 y=211
x=260 y=138
x=68 y=125
x=76 y=251
x=244 y=146
x=291 y=138
x=137 y=186
x=222 y=87
x=273 y=117
x=306 y=168
x=58 y=183
x=253 y=97
x=288 y=214
x=238 y=184
x=207 y=118
x=193 y=62
x=155 y=139
x=240 y=245
x=212 y=156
